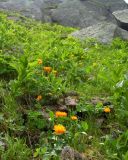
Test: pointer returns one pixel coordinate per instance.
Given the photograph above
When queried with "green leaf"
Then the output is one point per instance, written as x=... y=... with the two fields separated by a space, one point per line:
x=43 y=150
x=35 y=154
x=52 y=116
x=84 y=125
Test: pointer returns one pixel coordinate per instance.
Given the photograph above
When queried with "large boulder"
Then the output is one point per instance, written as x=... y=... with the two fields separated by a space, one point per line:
x=122 y=18
x=25 y=7
x=37 y=9
x=80 y=14
x=114 y=5
x=84 y=13
x=76 y=13
x=103 y=32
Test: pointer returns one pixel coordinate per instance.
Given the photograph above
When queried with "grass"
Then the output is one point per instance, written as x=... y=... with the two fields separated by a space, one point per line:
x=40 y=66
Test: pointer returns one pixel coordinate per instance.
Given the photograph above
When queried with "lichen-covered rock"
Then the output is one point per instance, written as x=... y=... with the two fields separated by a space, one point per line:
x=69 y=153
x=76 y=13
x=81 y=14
x=122 y=18
x=71 y=101
x=103 y=32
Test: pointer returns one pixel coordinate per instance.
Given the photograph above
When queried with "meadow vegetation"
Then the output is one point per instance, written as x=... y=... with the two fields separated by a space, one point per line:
x=39 y=65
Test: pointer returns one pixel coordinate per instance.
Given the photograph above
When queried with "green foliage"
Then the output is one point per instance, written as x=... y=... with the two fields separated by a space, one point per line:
x=16 y=149
x=117 y=148
x=43 y=60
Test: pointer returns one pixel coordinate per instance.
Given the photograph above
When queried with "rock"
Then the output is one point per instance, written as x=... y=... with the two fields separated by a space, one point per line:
x=63 y=108
x=71 y=93
x=97 y=100
x=71 y=101
x=102 y=101
x=122 y=18
x=75 y=13
x=69 y=153
x=113 y=5
x=100 y=121
x=26 y=7
x=37 y=9
x=103 y=32
x=96 y=15
x=57 y=107
x=81 y=14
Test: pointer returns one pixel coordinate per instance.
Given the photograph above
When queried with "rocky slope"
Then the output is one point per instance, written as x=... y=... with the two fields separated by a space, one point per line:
x=76 y=13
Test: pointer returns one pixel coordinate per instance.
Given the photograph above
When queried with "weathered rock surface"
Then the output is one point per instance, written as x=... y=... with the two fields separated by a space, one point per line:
x=76 y=13
x=103 y=32
x=122 y=18
x=69 y=153
x=113 y=5
x=71 y=101
x=84 y=13
x=37 y=9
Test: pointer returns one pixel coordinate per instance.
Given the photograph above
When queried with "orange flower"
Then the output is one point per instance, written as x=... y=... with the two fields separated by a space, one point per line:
x=39 y=98
x=74 y=118
x=59 y=129
x=47 y=69
x=40 y=61
x=107 y=110
x=61 y=114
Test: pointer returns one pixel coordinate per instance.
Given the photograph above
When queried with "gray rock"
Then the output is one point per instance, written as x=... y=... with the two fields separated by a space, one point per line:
x=76 y=13
x=114 y=5
x=81 y=14
x=103 y=32
x=69 y=153
x=37 y=9
x=122 y=18
x=71 y=101
x=27 y=8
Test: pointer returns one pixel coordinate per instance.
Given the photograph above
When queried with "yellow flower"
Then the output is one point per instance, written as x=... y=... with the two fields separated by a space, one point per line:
x=47 y=69
x=39 y=98
x=60 y=114
x=40 y=61
x=59 y=129
x=107 y=110
x=74 y=118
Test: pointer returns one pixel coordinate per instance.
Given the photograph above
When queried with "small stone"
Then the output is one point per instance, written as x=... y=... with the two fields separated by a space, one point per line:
x=69 y=153
x=100 y=121
x=71 y=101
x=63 y=108
x=45 y=115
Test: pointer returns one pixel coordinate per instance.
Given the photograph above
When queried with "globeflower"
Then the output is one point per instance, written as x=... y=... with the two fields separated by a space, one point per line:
x=60 y=114
x=59 y=129
x=40 y=61
x=47 y=69
x=74 y=118
x=39 y=98
x=107 y=110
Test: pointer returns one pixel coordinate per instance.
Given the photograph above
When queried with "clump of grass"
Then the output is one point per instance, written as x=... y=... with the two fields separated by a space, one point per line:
x=15 y=149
